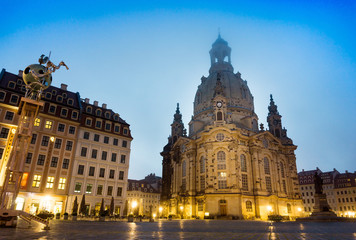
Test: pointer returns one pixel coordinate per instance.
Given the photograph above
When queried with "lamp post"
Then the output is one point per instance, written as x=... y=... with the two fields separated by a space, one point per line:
x=181 y=210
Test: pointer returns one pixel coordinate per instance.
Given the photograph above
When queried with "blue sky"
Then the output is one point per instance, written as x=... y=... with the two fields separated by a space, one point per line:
x=142 y=57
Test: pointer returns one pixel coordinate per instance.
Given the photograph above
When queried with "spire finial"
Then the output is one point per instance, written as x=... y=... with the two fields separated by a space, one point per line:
x=219 y=36
x=177 y=111
x=271 y=97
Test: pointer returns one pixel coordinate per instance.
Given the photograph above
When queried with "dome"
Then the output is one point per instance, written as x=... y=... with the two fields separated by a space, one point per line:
x=233 y=89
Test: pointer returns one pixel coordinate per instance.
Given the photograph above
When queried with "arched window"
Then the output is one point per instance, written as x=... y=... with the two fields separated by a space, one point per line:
x=289 y=208
x=184 y=169
x=202 y=165
x=266 y=166
x=221 y=157
x=248 y=206
x=243 y=163
x=219 y=116
x=282 y=169
x=98 y=112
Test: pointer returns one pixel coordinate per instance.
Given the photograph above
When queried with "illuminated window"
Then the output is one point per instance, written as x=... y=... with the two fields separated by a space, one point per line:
x=62 y=183
x=37 y=122
x=248 y=206
x=24 y=180
x=50 y=182
x=78 y=187
x=36 y=181
x=48 y=124
x=222 y=184
x=89 y=188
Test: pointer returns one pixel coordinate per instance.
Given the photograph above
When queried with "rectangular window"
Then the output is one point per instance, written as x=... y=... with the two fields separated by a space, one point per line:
x=89 y=188
x=52 y=109
x=119 y=192
x=1 y=152
x=62 y=183
x=29 y=158
x=116 y=142
x=69 y=145
x=37 y=122
x=104 y=155
x=58 y=143
x=102 y=172
x=36 y=181
x=71 y=129
x=202 y=183
x=108 y=126
x=75 y=115
x=100 y=190
x=94 y=153
x=48 y=124
x=126 y=131
x=112 y=173
x=65 y=163
x=9 y=115
x=2 y=96
x=54 y=162
x=86 y=135
x=123 y=159
x=113 y=157
x=285 y=187
x=98 y=124
x=88 y=122
x=50 y=182
x=244 y=180
x=45 y=140
x=91 y=171
x=80 y=169
x=109 y=191
x=83 y=152
x=222 y=184
x=184 y=184
x=14 y=99
x=124 y=143
x=64 y=112
x=117 y=128
x=78 y=187
x=121 y=175
x=268 y=184
x=4 y=132
x=34 y=138
x=41 y=159
x=106 y=140
x=61 y=127
x=96 y=137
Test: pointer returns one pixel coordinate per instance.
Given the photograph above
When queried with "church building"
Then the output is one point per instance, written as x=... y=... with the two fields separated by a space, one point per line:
x=226 y=167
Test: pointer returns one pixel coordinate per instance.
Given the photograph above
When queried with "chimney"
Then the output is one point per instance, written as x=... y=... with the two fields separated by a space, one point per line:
x=20 y=73
x=104 y=105
x=64 y=86
x=87 y=100
x=302 y=170
x=96 y=103
x=346 y=171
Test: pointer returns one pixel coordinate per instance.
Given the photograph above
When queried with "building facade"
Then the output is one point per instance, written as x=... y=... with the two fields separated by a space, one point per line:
x=339 y=188
x=226 y=166
x=142 y=199
x=52 y=163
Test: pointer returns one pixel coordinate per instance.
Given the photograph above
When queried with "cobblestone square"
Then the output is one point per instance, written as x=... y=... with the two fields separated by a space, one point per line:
x=183 y=229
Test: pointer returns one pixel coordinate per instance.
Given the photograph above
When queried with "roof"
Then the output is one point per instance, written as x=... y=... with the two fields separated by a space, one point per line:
x=140 y=185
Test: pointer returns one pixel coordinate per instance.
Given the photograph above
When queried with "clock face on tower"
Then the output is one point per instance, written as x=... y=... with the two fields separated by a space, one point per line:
x=219 y=104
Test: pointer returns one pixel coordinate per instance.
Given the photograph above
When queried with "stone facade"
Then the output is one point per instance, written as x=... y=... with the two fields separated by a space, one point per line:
x=226 y=166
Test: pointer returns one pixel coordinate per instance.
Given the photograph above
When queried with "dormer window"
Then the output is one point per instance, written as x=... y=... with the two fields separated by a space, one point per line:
x=98 y=112
x=116 y=117
x=64 y=95
x=88 y=109
x=23 y=88
x=54 y=92
x=59 y=98
x=48 y=95
x=2 y=96
x=107 y=115
x=19 y=81
x=70 y=102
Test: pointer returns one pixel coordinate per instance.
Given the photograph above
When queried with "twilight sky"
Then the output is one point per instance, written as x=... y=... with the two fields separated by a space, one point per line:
x=142 y=57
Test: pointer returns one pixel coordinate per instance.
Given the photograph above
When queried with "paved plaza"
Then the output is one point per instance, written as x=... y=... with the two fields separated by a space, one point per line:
x=183 y=229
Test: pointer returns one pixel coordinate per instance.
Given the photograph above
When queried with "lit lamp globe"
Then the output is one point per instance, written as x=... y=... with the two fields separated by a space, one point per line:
x=30 y=78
